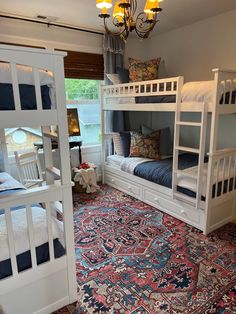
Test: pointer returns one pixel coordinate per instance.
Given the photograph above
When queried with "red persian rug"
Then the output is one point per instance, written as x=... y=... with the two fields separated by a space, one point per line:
x=134 y=259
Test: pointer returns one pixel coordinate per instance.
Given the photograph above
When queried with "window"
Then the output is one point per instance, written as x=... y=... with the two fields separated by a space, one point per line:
x=84 y=95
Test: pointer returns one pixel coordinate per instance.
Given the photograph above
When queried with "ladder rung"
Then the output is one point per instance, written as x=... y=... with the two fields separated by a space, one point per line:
x=51 y=135
x=186 y=174
x=189 y=123
x=54 y=171
x=188 y=149
x=185 y=198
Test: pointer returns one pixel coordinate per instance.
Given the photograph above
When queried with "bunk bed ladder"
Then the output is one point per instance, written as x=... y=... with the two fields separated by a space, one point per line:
x=199 y=151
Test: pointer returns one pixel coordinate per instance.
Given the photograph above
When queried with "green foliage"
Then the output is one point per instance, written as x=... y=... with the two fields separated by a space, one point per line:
x=82 y=89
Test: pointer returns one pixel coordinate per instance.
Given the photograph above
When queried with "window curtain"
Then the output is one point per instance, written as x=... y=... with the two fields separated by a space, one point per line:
x=114 y=49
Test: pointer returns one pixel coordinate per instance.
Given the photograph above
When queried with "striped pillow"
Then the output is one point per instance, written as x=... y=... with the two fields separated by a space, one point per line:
x=117 y=144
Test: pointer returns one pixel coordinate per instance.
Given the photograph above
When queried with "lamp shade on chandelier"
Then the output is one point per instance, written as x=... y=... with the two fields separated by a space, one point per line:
x=124 y=17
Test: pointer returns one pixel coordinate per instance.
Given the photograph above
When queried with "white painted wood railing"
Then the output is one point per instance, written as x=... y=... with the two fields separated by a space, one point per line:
x=223 y=172
x=48 y=197
x=145 y=88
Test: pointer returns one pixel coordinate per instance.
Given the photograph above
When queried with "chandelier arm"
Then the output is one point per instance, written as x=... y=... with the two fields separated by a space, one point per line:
x=118 y=33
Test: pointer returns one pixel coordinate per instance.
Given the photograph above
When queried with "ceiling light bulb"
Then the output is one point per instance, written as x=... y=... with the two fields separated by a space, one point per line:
x=101 y=4
x=150 y=5
x=118 y=11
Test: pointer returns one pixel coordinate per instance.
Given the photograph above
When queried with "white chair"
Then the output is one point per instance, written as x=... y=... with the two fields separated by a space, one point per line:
x=29 y=168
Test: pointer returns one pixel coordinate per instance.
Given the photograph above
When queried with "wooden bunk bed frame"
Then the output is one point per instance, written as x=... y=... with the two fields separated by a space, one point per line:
x=49 y=286
x=218 y=207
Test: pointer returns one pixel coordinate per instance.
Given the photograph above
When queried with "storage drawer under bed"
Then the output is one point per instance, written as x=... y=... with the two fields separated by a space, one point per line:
x=132 y=189
x=182 y=212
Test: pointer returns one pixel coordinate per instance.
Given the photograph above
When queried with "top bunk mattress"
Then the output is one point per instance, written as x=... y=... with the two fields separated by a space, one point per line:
x=200 y=91
x=26 y=85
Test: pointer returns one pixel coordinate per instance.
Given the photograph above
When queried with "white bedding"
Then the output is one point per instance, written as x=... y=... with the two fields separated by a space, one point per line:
x=9 y=183
x=19 y=222
x=190 y=183
x=25 y=75
x=128 y=164
x=202 y=91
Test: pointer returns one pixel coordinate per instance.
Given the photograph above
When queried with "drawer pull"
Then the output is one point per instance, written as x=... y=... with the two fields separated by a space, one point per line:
x=183 y=211
x=112 y=180
x=157 y=200
x=129 y=188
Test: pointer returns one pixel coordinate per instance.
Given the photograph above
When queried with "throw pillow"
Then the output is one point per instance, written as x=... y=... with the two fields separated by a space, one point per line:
x=114 y=78
x=146 y=146
x=117 y=143
x=143 y=71
x=125 y=143
x=165 y=139
x=123 y=75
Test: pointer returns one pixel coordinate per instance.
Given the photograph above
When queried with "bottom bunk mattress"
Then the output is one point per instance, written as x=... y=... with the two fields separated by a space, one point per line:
x=160 y=171
x=9 y=186
x=157 y=171
x=24 y=259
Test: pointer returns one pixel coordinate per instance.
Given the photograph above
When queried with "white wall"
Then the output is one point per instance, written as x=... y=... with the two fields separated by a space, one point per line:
x=28 y=33
x=195 y=49
x=192 y=51
x=40 y=35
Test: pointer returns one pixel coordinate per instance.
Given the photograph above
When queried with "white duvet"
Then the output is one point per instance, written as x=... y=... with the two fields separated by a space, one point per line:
x=20 y=228
x=190 y=183
x=25 y=75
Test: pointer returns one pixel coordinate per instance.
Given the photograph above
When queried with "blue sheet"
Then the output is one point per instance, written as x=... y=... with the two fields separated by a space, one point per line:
x=172 y=99
x=27 y=97
x=24 y=259
x=160 y=171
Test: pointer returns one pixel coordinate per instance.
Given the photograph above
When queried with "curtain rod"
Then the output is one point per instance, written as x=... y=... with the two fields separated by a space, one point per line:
x=50 y=24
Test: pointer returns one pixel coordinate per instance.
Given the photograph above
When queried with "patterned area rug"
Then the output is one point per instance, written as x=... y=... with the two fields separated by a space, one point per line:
x=133 y=259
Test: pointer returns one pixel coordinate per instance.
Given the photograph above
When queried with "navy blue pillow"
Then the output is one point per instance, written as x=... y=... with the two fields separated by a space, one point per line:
x=125 y=143
x=123 y=75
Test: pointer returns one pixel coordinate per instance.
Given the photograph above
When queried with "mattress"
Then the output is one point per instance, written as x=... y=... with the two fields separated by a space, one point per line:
x=20 y=227
x=160 y=171
x=202 y=91
x=24 y=259
x=27 y=97
x=115 y=160
x=25 y=77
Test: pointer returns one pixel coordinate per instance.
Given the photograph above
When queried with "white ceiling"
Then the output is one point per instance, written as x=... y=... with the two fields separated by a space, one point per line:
x=83 y=13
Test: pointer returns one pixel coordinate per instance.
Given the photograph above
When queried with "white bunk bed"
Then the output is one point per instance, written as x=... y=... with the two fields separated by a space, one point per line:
x=218 y=206
x=45 y=287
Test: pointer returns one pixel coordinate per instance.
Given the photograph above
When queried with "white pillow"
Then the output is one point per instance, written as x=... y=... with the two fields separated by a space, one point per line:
x=114 y=78
x=117 y=144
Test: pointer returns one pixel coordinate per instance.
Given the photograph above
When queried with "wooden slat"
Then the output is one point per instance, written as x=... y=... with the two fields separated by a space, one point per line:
x=31 y=235
x=37 y=89
x=11 y=241
x=16 y=92
x=50 y=234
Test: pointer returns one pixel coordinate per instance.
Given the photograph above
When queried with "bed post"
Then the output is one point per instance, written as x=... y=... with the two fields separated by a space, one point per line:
x=63 y=144
x=4 y=151
x=103 y=130
x=179 y=87
x=212 y=148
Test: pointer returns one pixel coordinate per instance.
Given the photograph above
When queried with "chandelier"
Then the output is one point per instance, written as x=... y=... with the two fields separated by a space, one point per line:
x=125 y=19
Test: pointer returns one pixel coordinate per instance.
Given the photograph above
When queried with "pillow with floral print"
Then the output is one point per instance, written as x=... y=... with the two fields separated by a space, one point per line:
x=143 y=71
x=146 y=146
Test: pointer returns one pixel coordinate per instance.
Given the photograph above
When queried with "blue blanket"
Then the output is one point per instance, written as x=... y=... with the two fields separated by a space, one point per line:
x=160 y=171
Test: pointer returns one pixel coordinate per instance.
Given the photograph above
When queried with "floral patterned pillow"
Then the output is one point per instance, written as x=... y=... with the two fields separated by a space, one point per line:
x=146 y=146
x=143 y=71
